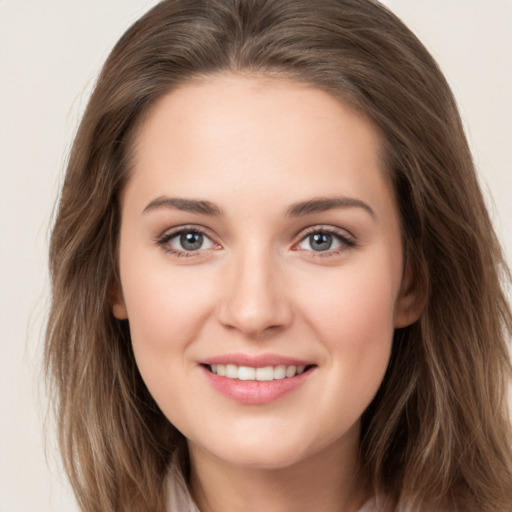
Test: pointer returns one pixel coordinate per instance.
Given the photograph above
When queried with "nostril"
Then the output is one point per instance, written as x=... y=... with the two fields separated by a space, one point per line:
x=255 y=320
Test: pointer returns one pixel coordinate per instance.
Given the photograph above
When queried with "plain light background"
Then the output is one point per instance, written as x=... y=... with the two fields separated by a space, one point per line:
x=50 y=54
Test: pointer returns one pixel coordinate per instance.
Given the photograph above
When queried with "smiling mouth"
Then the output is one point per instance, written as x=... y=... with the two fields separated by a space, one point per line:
x=265 y=373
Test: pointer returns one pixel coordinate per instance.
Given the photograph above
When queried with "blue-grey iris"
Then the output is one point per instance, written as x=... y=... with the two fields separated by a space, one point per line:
x=191 y=241
x=320 y=241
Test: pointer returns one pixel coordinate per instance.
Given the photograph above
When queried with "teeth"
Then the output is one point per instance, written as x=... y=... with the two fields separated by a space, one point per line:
x=246 y=373
x=280 y=372
x=290 y=371
x=232 y=371
x=266 y=373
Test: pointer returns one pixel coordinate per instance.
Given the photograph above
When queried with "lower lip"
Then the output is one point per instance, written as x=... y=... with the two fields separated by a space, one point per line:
x=253 y=392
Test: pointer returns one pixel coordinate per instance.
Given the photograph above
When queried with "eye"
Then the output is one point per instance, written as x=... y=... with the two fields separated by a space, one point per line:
x=186 y=241
x=190 y=241
x=325 y=241
x=318 y=242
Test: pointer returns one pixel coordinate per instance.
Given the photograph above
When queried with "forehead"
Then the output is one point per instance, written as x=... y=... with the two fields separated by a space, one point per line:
x=214 y=107
x=240 y=134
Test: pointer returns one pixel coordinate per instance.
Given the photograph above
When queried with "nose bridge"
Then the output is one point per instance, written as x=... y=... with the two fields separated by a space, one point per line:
x=255 y=299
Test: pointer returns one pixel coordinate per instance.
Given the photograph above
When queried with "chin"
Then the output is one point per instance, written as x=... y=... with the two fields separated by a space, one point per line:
x=272 y=452
x=262 y=459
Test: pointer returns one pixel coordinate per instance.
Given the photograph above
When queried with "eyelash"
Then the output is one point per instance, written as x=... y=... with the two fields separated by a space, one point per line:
x=164 y=240
x=346 y=241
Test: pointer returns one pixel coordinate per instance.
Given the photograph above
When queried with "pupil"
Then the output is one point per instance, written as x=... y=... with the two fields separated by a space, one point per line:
x=320 y=241
x=191 y=241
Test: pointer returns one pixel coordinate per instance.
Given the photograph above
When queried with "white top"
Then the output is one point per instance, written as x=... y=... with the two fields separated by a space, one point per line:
x=181 y=501
x=179 y=497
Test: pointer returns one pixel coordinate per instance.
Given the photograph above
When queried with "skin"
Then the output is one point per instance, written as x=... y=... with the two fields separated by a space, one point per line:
x=254 y=146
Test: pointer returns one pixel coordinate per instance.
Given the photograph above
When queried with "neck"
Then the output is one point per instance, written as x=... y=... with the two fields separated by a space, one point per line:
x=328 y=480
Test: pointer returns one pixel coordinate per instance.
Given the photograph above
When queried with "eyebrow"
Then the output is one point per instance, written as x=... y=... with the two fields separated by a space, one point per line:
x=186 y=205
x=299 y=209
x=323 y=204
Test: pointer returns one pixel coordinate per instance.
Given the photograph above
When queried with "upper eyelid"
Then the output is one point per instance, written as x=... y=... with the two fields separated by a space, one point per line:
x=170 y=233
x=343 y=233
x=347 y=240
x=164 y=240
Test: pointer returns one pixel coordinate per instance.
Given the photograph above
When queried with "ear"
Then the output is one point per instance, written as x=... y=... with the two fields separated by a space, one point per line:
x=411 y=299
x=117 y=302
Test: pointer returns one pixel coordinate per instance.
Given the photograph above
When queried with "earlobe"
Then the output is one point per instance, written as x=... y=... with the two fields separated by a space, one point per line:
x=117 y=302
x=411 y=300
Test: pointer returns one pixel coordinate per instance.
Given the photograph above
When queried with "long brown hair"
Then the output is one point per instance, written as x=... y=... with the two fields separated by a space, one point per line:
x=438 y=431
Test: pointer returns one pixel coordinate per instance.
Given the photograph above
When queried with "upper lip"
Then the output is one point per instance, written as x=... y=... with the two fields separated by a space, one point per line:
x=256 y=361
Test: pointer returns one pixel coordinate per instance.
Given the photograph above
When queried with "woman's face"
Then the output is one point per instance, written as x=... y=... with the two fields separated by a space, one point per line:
x=261 y=267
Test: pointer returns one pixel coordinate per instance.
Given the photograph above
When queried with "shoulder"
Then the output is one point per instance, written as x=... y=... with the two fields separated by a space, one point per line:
x=372 y=506
x=179 y=499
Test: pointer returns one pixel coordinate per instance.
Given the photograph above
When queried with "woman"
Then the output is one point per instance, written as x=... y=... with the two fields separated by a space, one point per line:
x=275 y=282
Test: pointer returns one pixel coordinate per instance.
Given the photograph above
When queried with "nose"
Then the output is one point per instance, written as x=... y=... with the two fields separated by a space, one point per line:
x=255 y=301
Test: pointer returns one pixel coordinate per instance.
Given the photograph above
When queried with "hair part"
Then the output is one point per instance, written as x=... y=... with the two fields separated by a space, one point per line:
x=438 y=431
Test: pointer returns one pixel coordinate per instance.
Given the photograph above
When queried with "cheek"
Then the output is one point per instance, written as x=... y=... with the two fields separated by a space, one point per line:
x=358 y=307
x=164 y=309
x=355 y=323
x=166 y=312
x=166 y=306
